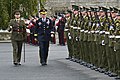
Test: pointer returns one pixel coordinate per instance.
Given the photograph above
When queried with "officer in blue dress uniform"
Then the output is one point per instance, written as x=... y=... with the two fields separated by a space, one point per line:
x=43 y=33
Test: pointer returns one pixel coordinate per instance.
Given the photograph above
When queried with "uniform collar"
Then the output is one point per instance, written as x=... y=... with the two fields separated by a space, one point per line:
x=44 y=19
x=17 y=19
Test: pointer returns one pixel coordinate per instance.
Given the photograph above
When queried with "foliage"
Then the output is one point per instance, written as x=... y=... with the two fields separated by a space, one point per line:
x=42 y=2
x=7 y=7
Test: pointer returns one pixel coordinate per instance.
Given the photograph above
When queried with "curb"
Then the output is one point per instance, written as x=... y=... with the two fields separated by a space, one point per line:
x=5 y=41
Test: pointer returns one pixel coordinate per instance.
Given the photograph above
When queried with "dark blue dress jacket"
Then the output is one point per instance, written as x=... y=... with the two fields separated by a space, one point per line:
x=43 y=29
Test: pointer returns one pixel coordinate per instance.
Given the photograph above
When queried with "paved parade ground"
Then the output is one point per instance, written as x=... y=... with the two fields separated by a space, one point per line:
x=58 y=67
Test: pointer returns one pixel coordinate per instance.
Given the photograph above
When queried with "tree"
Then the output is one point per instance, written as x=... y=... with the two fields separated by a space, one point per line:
x=29 y=7
x=42 y=2
x=7 y=7
x=4 y=16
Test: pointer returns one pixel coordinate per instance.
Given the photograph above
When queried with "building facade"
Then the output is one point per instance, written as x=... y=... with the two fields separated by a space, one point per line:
x=61 y=5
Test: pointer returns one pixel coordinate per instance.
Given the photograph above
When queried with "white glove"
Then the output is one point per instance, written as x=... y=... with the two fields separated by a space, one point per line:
x=52 y=35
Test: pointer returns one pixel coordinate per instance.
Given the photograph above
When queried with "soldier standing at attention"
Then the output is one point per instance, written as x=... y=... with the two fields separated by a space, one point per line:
x=43 y=32
x=18 y=28
x=117 y=44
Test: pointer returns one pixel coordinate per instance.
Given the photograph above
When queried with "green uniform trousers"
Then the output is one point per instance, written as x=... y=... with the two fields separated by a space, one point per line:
x=17 y=49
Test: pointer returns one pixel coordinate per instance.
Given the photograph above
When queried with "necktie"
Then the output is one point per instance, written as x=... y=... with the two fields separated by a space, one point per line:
x=43 y=19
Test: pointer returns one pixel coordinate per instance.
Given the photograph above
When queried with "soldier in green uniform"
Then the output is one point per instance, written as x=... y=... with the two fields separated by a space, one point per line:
x=68 y=33
x=75 y=34
x=73 y=31
x=110 y=46
x=96 y=45
x=91 y=38
x=117 y=44
x=18 y=36
x=101 y=44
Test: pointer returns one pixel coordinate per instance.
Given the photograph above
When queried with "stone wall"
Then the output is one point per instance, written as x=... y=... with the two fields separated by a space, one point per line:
x=67 y=3
x=53 y=5
x=5 y=35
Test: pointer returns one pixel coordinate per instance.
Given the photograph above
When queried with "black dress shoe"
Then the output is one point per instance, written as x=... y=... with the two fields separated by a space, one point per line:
x=89 y=65
x=102 y=70
x=78 y=61
x=93 y=67
x=43 y=64
x=85 y=64
x=68 y=58
x=96 y=69
x=71 y=59
x=75 y=60
x=82 y=63
x=108 y=72
x=15 y=64
x=112 y=75
x=117 y=78
x=19 y=63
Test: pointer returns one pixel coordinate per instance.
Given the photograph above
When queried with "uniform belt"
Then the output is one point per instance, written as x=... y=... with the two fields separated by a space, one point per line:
x=112 y=36
x=17 y=31
x=41 y=34
x=118 y=36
